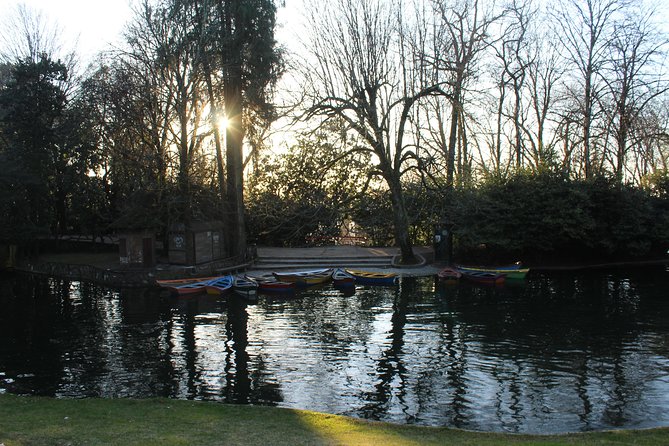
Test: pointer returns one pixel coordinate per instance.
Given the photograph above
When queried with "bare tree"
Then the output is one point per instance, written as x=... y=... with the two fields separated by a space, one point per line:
x=363 y=71
x=585 y=31
x=544 y=74
x=27 y=34
x=464 y=28
x=517 y=71
x=164 y=54
x=634 y=79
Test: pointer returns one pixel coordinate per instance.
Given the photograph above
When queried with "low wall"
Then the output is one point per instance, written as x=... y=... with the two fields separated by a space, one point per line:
x=131 y=278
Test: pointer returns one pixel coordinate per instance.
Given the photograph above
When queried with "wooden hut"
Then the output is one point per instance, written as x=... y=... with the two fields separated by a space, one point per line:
x=136 y=231
x=200 y=242
x=8 y=255
x=137 y=247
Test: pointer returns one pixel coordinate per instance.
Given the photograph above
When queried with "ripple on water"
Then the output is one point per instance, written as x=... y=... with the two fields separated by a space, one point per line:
x=559 y=354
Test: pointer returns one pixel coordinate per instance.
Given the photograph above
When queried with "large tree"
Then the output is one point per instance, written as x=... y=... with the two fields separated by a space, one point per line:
x=241 y=63
x=43 y=142
x=635 y=78
x=362 y=71
x=585 y=31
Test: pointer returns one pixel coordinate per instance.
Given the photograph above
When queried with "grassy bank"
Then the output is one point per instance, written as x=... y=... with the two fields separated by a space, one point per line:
x=47 y=421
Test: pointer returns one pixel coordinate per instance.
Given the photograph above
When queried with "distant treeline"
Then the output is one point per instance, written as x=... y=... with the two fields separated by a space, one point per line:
x=540 y=131
x=542 y=217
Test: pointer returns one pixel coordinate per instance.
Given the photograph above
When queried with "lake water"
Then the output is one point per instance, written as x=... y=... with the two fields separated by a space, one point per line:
x=559 y=352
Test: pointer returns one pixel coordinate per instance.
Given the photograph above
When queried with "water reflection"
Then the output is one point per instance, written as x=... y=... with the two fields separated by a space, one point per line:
x=561 y=352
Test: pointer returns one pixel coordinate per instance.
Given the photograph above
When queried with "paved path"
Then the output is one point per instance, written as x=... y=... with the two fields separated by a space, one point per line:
x=339 y=255
x=328 y=251
x=344 y=252
x=339 y=251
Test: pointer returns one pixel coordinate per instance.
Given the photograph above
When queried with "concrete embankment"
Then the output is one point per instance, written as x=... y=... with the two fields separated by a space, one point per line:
x=355 y=257
x=105 y=269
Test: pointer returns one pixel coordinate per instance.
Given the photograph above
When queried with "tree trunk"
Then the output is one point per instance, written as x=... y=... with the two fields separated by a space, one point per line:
x=232 y=97
x=401 y=221
x=234 y=162
x=217 y=133
x=587 y=117
x=453 y=136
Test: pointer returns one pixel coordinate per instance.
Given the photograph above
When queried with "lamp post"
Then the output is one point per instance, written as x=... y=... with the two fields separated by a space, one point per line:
x=443 y=242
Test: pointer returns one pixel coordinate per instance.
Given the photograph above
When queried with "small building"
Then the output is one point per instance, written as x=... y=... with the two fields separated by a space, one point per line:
x=200 y=242
x=136 y=230
x=8 y=255
x=137 y=248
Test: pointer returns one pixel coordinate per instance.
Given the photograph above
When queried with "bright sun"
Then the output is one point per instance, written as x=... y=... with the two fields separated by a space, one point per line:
x=223 y=123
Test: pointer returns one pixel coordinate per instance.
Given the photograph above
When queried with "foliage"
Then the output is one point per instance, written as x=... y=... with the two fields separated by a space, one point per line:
x=372 y=213
x=45 y=149
x=304 y=195
x=426 y=207
x=657 y=184
x=537 y=217
x=548 y=216
x=133 y=147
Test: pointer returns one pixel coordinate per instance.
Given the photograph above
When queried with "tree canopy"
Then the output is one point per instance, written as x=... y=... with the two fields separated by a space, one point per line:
x=535 y=128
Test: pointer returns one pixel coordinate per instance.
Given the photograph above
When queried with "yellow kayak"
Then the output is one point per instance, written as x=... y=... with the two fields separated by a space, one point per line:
x=373 y=278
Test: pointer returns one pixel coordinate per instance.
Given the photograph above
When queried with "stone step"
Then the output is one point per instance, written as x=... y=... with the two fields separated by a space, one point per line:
x=325 y=259
x=322 y=262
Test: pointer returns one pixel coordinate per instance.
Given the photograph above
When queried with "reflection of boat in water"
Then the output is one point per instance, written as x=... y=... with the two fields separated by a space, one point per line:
x=373 y=278
x=485 y=277
x=449 y=273
x=305 y=278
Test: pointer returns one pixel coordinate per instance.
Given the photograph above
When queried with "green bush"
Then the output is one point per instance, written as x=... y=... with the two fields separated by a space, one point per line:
x=546 y=216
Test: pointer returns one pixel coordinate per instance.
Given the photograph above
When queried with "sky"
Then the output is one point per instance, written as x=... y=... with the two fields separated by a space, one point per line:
x=95 y=24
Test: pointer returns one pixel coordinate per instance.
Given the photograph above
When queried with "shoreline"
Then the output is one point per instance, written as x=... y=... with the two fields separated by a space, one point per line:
x=605 y=265
x=102 y=268
x=164 y=421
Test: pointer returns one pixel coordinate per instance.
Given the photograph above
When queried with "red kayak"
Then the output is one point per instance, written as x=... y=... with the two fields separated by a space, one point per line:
x=269 y=284
x=449 y=273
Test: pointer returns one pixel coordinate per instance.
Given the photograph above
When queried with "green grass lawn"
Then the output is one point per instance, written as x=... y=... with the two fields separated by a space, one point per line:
x=48 y=421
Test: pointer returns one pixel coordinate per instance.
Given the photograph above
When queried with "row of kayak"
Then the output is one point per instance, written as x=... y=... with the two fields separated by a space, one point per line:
x=248 y=285
x=496 y=275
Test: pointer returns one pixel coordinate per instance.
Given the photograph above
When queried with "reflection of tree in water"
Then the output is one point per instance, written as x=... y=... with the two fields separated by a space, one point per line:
x=578 y=350
x=331 y=318
x=569 y=327
x=444 y=384
x=190 y=349
x=68 y=335
x=29 y=320
x=237 y=361
x=456 y=345
x=245 y=383
x=390 y=368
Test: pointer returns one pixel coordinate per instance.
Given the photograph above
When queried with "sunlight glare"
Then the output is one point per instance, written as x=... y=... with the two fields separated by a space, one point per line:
x=222 y=123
